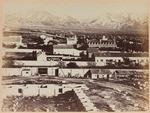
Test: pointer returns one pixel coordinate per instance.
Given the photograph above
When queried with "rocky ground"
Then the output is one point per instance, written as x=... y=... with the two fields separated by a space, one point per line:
x=120 y=95
x=108 y=96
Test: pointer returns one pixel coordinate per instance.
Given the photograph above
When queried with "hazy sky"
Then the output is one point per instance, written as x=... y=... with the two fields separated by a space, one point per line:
x=78 y=9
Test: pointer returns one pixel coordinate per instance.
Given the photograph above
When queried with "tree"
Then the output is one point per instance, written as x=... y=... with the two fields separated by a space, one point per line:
x=83 y=55
x=34 y=54
x=61 y=64
x=91 y=64
x=72 y=65
x=126 y=61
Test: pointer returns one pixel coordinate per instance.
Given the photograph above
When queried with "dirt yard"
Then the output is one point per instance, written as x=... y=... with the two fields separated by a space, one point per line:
x=106 y=95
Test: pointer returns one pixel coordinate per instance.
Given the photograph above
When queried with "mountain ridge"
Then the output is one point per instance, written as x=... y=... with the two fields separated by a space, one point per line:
x=42 y=18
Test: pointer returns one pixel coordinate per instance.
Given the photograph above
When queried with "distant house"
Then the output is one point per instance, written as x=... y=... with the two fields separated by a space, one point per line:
x=41 y=56
x=91 y=51
x=72 y=40
x=129 y=74
x=100 y=73
x=66 y=50
x=101 y=59
x=85 y=73
x=102 y=43
x=10 y=40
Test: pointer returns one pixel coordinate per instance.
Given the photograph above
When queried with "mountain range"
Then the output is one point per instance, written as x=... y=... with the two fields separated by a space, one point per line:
x=107 y=21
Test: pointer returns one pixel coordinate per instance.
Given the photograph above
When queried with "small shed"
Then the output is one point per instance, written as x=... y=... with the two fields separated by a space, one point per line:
x=100 y=73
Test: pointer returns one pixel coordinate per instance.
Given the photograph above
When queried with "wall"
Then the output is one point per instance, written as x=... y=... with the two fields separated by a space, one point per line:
x=81 y=63
x=51 y=71
x=11 y=71
x=74 y=72
x=47 y=90
x=35 y=63
x=80 y=72
x=33 y=71
x=142 y=60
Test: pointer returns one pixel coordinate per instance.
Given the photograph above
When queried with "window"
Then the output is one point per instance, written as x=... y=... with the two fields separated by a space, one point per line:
x=42 y=70
x=19 y=90
x=43 y=86
x=60 y=90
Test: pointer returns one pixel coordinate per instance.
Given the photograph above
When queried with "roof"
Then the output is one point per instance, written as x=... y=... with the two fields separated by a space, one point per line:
x=101 y=41
x=71 y=39
x=92 y=50
x=93 y=41
x=107 y=41
x=100 y=71
x=63 y=47
x=12 y=39
x=129 y=72
x=98 y=54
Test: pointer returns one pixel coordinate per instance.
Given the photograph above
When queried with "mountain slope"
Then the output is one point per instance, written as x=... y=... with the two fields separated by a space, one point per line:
x=41 y=18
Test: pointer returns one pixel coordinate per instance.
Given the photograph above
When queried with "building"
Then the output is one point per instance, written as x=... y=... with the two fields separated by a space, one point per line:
x=30 y=71
x=102 y=59
x=91 y=51
x=102 y=43
x=10 y=40
x=100 y=73
x=130 y=74
x=13 y=52
x=47 y=90
x=42 y=57
x=85 y=73
x=72 y=40
x=66 y=50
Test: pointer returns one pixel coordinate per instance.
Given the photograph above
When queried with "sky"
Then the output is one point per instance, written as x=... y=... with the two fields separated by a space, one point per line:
x=78 y=9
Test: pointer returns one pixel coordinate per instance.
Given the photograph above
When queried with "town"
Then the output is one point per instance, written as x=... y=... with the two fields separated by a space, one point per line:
x=75 y=56
x=62 y=57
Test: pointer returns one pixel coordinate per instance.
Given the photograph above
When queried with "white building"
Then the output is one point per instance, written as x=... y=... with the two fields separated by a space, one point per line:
x=100 y=73
x=102 y=43
x=101 y=59
x=10 y=40
x=66 y=50
x=72 y=40
x=30 y=71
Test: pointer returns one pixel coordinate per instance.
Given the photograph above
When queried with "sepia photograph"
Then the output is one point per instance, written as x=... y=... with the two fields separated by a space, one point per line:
x=75 y=56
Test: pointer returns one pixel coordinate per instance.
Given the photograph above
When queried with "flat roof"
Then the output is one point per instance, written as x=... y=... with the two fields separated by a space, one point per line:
x=92 y=50
x=98 y=54
x=63 y=47
x=100 y=71
x=12 y=39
